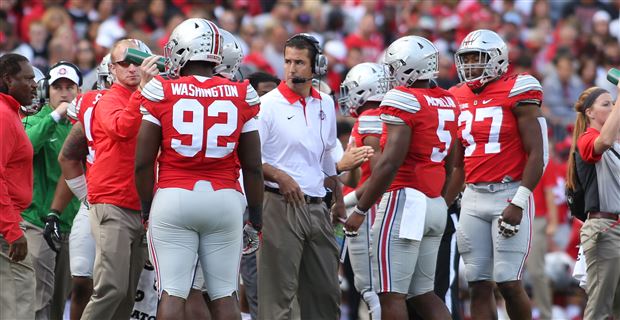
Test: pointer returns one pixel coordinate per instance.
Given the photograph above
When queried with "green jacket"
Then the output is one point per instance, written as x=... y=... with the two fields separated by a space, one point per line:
x=47 y=138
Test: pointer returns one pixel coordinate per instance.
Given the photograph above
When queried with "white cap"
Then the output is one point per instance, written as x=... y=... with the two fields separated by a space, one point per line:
x=601 y=15
x=64 y=71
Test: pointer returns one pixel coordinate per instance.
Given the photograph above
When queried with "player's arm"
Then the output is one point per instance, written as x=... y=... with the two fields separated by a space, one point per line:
x=149 y=141
x=372 y=141
x=71 y=160
x=62 y=196
x=455 y=172
x=394 y=153
x=250 y=160
x=530 y=130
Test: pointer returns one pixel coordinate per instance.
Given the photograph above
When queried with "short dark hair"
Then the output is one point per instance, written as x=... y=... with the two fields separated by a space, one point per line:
x=9 y=66
x=260 y=77
x=300 y=42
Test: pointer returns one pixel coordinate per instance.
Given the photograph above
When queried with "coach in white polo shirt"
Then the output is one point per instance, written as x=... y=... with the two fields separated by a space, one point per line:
x=299 y=255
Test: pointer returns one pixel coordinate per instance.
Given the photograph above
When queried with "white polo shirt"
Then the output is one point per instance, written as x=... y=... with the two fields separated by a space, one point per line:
x=297 y=135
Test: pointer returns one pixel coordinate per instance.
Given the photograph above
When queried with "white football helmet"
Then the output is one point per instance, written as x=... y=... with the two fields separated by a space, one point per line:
x=231 y=55
x=365 y=82
x=492 y=53
x=412 y=58
x=103 y=73
x=41 y=97
x=194 y=39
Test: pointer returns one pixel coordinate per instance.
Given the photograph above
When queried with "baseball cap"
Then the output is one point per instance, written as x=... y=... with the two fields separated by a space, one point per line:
x=62 y=70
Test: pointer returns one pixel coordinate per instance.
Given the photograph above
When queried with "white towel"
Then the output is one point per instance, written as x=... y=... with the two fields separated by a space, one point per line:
x=414 y=215
x=579 y=272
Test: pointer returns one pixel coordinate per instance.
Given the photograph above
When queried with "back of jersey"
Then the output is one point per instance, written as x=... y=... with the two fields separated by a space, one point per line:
x=432 y=116
x=201 y=121
x=81 y=110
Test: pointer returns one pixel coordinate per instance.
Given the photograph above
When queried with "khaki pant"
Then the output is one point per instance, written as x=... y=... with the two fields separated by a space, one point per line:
x=601 y=246
x=298 y=259
x=16 y=286
x=535 y=266
x=52 y=273
x=120 y=257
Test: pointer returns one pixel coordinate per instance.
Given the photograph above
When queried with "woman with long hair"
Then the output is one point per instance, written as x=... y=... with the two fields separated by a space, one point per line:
x=595 y=161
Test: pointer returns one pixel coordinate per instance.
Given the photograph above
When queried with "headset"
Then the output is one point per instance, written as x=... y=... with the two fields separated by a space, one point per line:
x=319 y=61
x=45 y=85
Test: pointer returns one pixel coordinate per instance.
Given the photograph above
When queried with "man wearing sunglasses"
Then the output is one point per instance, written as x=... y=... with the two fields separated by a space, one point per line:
x=115 y=206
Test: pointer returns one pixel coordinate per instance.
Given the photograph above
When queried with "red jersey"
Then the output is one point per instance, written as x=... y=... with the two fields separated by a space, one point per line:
x=201 y=121
x=368 y=124
x=489 y=130
x=547 y=183
x=81 y=110
x=15 y=169
x=432 y=116
x=115 y=125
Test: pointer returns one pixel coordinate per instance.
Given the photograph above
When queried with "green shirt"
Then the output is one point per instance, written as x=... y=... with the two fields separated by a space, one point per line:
x=47 y=138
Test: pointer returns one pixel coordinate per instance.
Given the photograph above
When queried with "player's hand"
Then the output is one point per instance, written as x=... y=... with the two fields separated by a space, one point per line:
x=354 y=156
x=51 y=232
x=148 y=70
x=62 y=109
x=290 y=189
x=18 y=249
x=353 y=224
x=251 y=239
x=510 y=220
x=144 y=215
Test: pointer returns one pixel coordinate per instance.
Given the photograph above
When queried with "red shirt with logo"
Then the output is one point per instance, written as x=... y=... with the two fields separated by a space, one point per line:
x=115 y=126
x=488 y=129
x=201 y=120
x=432 y=116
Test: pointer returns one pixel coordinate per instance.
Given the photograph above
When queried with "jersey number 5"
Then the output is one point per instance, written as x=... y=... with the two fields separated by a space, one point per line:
x=444 y=135
x=195 y=127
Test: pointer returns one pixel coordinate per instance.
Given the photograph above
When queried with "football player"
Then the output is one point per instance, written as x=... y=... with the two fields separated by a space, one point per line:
x=206 y=128
x=421 y=123
x=361 y=93
x=500 y=156
x=77 y=150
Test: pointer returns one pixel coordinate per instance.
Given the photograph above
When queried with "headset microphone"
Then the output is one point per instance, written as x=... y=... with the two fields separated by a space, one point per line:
x=297 y=80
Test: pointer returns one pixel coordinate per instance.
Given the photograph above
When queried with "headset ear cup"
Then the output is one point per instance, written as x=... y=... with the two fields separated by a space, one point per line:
x=320 y=67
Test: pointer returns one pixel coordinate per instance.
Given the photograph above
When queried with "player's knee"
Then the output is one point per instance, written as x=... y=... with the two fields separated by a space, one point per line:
x=510 y=288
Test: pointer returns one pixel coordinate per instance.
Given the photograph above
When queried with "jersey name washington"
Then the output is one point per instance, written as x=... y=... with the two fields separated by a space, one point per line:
x=188 y=89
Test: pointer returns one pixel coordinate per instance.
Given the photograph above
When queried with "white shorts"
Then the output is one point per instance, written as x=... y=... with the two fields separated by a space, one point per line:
x=404 y=265
x=487 y=254
x=190 y=225
x=360 y=252
x=81 y=245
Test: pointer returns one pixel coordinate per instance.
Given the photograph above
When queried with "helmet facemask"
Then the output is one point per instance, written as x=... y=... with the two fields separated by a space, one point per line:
x=489 y=61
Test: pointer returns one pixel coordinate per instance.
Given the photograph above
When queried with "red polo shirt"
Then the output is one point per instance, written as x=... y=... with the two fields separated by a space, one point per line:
x=15 y=169
x=115 y=127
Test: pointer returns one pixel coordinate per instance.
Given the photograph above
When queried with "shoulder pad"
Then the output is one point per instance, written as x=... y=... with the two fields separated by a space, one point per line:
x=369 y=124
x=153 y=90
x=401 y=100
x=74 y=107
x=524 y=83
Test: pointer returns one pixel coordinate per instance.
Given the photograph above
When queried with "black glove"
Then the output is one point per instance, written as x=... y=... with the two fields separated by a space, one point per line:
x=51 y=232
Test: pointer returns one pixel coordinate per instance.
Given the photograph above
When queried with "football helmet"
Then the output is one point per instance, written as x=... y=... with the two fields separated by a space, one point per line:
x=103 y=73
x=492 y=54
x=194 y=39
x=40 y=98
x=365 y=82
x=412 y=58
x=231 y=55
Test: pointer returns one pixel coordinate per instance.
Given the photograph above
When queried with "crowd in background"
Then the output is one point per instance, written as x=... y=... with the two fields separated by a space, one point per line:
x=567 y=45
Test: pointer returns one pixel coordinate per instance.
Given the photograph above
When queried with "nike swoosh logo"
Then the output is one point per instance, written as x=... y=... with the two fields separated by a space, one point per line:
x=486 y=101
x=53 y=139
x=289 y=118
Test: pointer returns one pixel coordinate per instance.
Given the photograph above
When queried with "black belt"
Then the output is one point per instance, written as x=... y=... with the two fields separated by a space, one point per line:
x=307 y=198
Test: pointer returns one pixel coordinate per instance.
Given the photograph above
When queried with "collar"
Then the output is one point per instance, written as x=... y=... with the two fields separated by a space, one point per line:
x=10 y=101
x=292 y=96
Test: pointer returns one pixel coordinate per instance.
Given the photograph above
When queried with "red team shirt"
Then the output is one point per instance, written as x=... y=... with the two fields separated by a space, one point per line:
x=201 y=121
x=81 y=110
x=489 y=130
x=432 y=116
x=368 y=124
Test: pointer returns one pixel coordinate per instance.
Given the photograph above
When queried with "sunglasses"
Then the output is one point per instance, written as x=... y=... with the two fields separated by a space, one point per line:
x=125 y=64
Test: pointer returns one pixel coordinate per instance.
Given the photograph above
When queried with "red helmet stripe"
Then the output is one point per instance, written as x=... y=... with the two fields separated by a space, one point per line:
x=216 y=36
